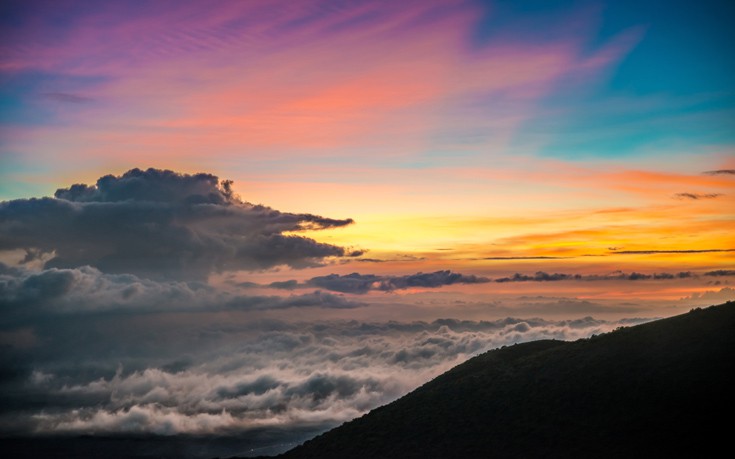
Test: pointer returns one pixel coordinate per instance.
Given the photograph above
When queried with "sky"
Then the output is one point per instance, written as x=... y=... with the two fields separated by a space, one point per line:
x=259 y=219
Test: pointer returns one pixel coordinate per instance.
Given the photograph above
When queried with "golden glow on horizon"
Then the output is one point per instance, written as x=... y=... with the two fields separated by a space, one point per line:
x=429 y=141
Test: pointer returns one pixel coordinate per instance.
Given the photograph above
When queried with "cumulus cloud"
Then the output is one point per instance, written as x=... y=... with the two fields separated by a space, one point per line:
x=363 y=283
x=161 y=224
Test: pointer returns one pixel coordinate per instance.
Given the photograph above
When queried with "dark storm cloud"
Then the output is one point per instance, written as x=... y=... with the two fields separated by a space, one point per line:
x=363 y=283
x=697 y=196
x=720 y=172
x=161 y=224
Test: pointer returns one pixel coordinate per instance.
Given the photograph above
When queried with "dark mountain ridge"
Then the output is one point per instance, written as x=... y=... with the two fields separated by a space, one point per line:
x=654 y=390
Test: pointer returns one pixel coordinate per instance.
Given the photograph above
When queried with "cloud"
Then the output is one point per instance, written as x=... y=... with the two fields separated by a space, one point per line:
x=140 y=419
x=431 y=280
x=347 y=92
x=352 y=283
x=721 y=272
x=711 y=296
x=161 y=224
x=26 y=295
x=542 y=276
x=403 y=259
x=636 y=276
x=652 y=252
x=363 y=283
x=720 y=172
x=240 y=376
x=697 y=196
x=525 y=258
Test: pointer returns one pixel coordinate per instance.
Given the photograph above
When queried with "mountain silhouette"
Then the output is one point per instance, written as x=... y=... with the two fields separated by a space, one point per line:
x=661 y=389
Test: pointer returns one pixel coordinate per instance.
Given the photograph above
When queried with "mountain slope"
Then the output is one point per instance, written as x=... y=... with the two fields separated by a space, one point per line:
x=652 y=390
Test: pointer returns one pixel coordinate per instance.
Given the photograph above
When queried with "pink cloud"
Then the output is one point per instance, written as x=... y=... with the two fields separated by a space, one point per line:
x=293 y=78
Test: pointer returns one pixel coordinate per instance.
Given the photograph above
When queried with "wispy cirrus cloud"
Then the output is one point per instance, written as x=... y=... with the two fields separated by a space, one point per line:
x=349 y=91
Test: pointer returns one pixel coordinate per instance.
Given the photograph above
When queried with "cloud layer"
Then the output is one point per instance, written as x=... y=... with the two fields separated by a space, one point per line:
x=363 y=283
x=161 y=224
x=357 y=283
x=237 y=375
x=87 y=352
x=541 y=276
x=697 y=196
x=26 y=295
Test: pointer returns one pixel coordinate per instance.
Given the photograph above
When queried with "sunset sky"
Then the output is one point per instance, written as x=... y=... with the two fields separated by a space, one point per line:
x=418 y=160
